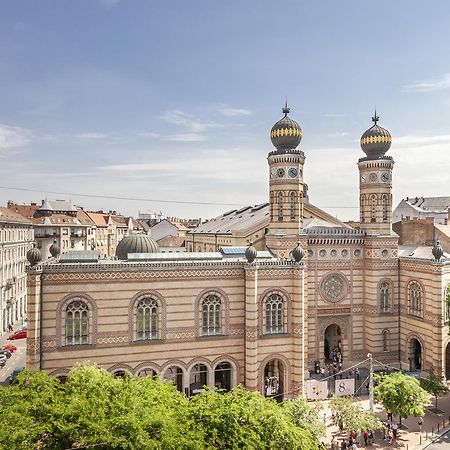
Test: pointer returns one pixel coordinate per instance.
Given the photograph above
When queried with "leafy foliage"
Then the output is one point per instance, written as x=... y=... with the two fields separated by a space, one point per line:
x=306 y=415
x=401 y=395
x=93 y=408
x=349 y=416
x=435 y=386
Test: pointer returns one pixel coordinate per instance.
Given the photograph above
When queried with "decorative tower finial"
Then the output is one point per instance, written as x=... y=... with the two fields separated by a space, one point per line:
x=251 y=252
x=375 y=118
x=286 y=109
x=437 y=251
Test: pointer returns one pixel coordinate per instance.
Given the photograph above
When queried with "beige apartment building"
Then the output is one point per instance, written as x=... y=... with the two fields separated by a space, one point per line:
x=308 y=284
x=16 y=238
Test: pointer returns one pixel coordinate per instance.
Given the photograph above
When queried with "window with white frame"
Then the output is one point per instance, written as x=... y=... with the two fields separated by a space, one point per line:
x=384 y=296
x=77 y=323
x=274 y=314
x=211 y=315
x=146 y=319
x=415 y=295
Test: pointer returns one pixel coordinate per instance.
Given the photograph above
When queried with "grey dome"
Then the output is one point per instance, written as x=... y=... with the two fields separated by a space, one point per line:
x=251 y=253
x=437 y=251
x=376 y=141
x=54 y=249
x=34 y=255
x=298 y=253
x=286 y=134
x=136 y=243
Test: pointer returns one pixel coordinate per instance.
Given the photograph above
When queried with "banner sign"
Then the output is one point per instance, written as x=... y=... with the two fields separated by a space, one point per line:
x=316 y=390
x=344 y=387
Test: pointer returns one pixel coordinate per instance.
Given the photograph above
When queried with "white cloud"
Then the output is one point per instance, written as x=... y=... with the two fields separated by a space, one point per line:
x=13 y=137
x=340 y=134
x=148 y=134
x=186 y=137
x=433 y=84
x=411 y=141
x=233 y=112
x=188 y=121
x=92 y=135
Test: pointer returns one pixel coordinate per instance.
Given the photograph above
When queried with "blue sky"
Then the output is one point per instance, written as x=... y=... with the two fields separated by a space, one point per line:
x=175 y=100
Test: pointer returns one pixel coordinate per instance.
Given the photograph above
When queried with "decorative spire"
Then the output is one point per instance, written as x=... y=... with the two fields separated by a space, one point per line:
x=375 y=118
x=286 y=109
x=251 y=252
x=298 y=253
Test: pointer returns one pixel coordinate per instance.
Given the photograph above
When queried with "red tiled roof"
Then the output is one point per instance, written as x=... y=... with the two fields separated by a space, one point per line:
x=10 y=216
x=171 y=241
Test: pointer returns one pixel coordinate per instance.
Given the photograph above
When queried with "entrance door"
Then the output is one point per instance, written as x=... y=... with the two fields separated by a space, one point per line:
x=332 y=341
x=415 y=355
x=274 y=374
x=447 y=361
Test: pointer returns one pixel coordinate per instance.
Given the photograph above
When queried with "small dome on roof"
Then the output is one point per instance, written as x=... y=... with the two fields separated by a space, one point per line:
x=286 y=134
x=298 y=253
x=54 y=249
x=251 y=253
x=34 y=255
x=376 y=141
x=136 y=243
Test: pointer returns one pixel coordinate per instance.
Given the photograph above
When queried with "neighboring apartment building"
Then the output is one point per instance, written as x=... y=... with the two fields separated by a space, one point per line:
x=16 y=238
x=58 y=221
x=421 y=208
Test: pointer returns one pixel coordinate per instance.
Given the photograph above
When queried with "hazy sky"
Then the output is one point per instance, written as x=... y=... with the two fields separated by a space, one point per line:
x=174 y=100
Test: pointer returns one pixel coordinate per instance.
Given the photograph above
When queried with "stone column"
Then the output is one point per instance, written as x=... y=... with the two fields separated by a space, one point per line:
x=34 y=288
x=251 y=327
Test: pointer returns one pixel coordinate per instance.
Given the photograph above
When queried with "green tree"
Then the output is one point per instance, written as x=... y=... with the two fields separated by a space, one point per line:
x=435 y=386
x=242 y=419
x=401 y=395
x=348 y=415
x=93 y=408
x=306 y=415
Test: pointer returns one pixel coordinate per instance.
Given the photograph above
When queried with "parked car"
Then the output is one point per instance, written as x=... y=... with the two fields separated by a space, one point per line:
x=7 y=353
x=15 y=373
x=3 y=359
x=11 y=348
x=18 y=335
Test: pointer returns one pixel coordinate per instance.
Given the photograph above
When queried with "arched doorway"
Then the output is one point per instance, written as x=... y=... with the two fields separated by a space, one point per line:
x=415 y=355
x=175 y=375
x=332 y=343
x=447 y=361
x=198 y=379
x=274 y=376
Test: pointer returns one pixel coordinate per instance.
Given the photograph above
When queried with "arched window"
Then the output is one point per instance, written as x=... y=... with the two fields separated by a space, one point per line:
x=175 y=375
x=77 y=323
x=147 y=372
x=384 y=207
x=293 y=203
x=274 y=312
x=280 y=206
x=446 y=303
x=384 y=296
x=385 y=340
x=211 y=319
x=415 y=298
x=147 y=319
x=373 y=208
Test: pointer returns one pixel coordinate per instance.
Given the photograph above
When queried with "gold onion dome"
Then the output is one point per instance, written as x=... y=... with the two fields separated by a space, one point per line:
x=286 y=134
x=376 y=141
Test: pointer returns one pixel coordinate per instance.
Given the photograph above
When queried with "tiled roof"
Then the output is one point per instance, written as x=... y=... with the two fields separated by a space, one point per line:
x=9 y=216
x=120 y=221
x=417 y=251
x=430 y=204
x=84 y=218
x=26 y=211
x=171 y=241
x=57 y=205
x=100 y=219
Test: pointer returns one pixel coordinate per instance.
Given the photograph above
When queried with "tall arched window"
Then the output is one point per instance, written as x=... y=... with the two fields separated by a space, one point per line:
x=384 y=296
x=293 y=204
x=373 y=208
x=415 y=298
x=77 y=323
x=147 y=319
x=280 y=206
x=384 y=207
x=446 y=303
x=274 y=312
x=385 y=340
x=211 y=319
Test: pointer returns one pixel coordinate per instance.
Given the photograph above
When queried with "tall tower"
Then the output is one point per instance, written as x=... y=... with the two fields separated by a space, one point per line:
x=285 y=186
x=375 y=180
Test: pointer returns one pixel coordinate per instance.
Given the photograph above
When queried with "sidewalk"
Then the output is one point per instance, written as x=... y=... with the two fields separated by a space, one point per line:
x=409 y=437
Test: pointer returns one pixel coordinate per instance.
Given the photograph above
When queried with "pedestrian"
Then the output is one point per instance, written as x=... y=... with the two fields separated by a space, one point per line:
x=333 y=443
x=420 y=422
x=10 y=327
x=366 y=437
x=343 y=445
x=325 y=417
x=357 y=373
x=371 y=437
x=350 y=373
x=322 y=372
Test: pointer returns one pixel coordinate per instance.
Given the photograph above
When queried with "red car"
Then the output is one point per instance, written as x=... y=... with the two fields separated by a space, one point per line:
x=10 y=347
x=18 y=335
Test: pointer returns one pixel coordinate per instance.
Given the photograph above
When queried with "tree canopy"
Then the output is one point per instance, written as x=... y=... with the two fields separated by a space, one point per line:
x=95 y=409
x=349 y=416
x=401 y=395
x=435 y=385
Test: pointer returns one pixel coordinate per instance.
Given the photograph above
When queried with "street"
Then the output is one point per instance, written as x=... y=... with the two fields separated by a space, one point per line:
x=17 y=358
x=442 y=443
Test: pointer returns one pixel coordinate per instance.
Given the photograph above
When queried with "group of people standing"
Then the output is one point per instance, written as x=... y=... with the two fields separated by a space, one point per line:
x=353 y=439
